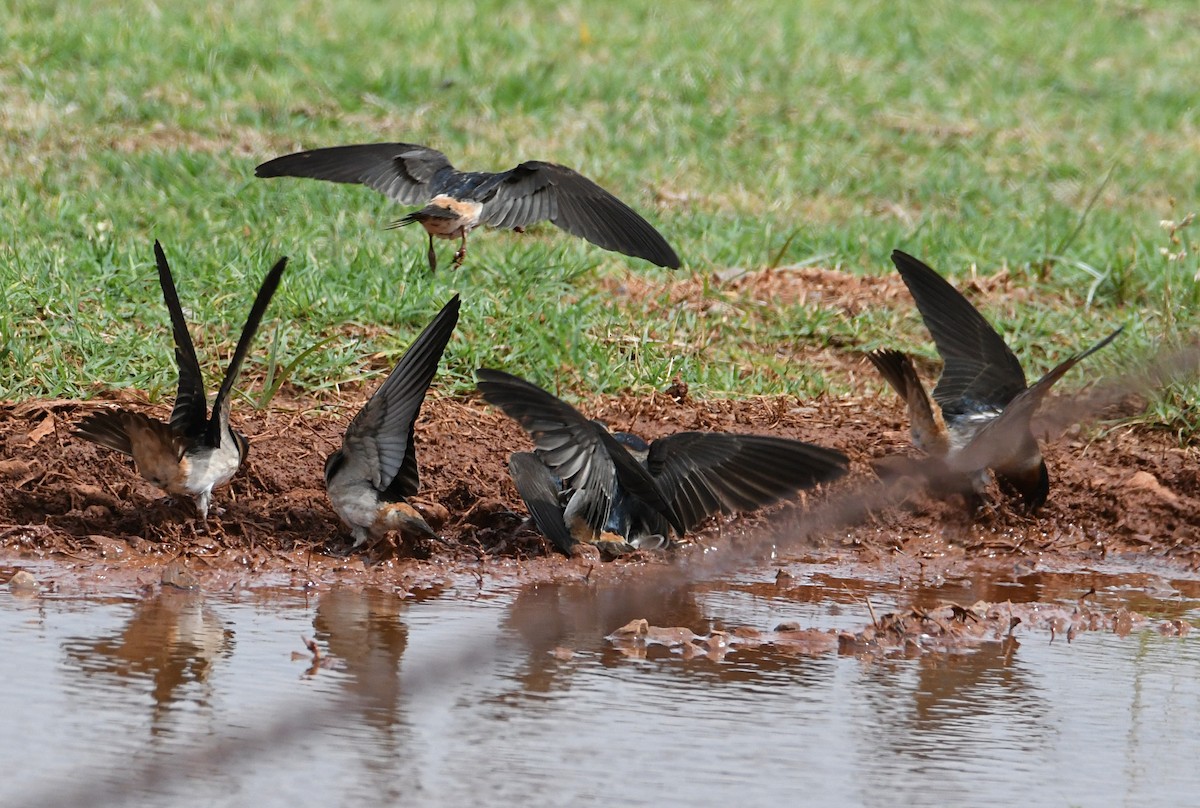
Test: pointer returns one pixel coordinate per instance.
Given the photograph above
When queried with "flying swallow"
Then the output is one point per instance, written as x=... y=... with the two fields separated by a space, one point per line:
x=456 y=202
x=986 y=406
x=194 y=452
x=583 y=484
x=370 y=477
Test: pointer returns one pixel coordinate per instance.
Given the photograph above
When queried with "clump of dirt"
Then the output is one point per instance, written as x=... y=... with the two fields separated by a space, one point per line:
x=1125 y=491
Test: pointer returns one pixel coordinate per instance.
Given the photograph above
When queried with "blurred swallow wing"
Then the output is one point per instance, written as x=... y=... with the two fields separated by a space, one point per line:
x=979 y=367
x=536 y=191
x=702 y=473
x=539 y=490
x=405 y=172
x=382 y=431
x=996 y=439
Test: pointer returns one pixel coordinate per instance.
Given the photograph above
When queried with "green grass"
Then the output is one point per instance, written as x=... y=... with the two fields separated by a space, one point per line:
x=1049 y=139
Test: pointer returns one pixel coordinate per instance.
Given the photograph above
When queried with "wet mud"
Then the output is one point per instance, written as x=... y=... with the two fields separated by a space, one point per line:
x=1117 y=493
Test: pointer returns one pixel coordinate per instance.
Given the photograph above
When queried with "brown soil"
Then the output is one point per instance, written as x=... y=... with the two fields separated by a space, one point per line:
x=1127 y=492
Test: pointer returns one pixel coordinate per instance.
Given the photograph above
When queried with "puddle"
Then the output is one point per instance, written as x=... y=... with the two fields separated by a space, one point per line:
x=496 y=694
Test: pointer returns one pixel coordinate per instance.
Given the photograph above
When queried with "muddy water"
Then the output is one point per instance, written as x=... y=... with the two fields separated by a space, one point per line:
x=503 y=694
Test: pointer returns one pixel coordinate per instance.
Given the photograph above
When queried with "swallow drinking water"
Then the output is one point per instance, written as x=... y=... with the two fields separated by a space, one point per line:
x=371 y=476
x=986 y=406
x=456 y=202
x=583 y=484
x=194 y=452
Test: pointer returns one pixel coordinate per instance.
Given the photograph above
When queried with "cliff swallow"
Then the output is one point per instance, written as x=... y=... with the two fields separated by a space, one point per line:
x=194 y=452
x=583 y=484
x=458 y=201
x=986 y=406
x=369 y=478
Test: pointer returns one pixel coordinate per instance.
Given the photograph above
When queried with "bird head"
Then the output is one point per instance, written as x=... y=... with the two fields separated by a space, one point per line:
x=243 y=445
x=332 y=464
x=1032 y=485
x=636 y=446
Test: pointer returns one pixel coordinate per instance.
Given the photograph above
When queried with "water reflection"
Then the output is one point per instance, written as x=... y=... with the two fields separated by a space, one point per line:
x=365 y=632
x=363 y=629
x=173 y=639
x=1006 y=722
x=575 y=617
x=564 y=626
x=937 y=728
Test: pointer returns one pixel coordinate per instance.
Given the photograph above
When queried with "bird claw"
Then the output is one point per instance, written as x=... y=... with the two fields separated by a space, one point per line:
x=459 y=256
x=337 y=547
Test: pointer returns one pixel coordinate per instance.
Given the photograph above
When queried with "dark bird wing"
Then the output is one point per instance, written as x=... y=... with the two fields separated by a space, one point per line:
x=702 y=473
x=535 y=191
x=581 y=452
x=189 y=416
x=539 y=489
x=408 y=479
x=382 y=432
x=995 y=440
x=980 y=368
x=405 y=172
x=220 y=410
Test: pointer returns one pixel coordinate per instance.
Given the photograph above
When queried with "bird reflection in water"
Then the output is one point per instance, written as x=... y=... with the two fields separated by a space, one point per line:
x=174 y=640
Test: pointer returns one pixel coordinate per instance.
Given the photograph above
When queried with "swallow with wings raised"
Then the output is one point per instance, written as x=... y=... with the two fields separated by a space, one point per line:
x=583 y=484
x=194 y=452
x=456 y=202
x=370 y=478
x=986 y=407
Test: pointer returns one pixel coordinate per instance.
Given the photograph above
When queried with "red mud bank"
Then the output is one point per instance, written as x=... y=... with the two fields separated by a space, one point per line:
x=1122 y=492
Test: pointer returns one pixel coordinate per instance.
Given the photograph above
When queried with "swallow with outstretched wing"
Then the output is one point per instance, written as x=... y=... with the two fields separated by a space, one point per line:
x=370 y=478
x=195 y=451
x=583 y=484
x=456 y=202
x=986 y=406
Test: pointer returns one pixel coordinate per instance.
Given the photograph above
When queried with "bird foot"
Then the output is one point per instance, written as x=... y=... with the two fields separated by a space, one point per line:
x=337 y=547
x=459 y=256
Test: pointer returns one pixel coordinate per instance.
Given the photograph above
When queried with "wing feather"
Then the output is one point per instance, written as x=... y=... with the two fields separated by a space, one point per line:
x=703 y=473
x=581 y=452
x=405 y=172
x=189 y=416
x=548 y=191
x=383 y=428
x=539 y=489
x=220 y=410
x=993 y=444
x=980 y=369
